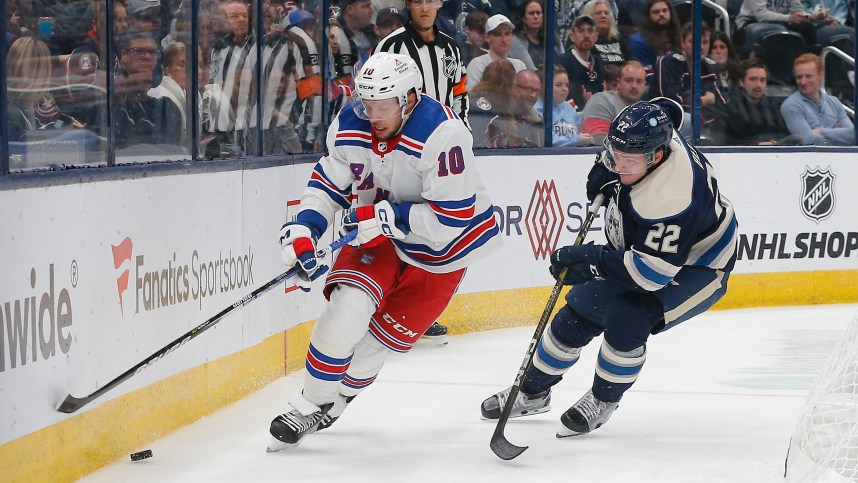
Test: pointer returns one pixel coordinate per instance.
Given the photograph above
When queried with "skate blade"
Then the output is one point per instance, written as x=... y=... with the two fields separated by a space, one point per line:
x=526 y=413
x=275 y=445
x=432 y=341
x=565 y=432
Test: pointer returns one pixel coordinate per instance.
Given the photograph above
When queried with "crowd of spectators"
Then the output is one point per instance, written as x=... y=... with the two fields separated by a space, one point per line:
x=67 y=59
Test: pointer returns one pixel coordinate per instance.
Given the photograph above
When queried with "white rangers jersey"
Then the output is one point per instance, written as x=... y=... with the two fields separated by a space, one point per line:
x=428 y=170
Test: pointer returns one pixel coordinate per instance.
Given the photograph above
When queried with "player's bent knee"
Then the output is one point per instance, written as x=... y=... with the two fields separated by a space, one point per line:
x=344 y=320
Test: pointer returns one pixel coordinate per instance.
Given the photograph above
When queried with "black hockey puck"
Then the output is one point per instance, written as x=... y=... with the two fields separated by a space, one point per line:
x=141 y=455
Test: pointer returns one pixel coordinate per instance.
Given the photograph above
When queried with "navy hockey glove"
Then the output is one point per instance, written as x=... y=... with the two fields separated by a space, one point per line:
x=298 y=242
x=582 y=263
x=375 y=222
x=600 y=180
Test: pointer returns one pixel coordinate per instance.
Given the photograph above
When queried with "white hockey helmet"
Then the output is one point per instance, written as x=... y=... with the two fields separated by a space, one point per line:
x=384 y=76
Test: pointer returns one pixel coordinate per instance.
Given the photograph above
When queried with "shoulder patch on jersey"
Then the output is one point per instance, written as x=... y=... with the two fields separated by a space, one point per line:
x=677 y=56
x=667 y=191
x=483 y=104
x=427 y=116
x=709 y=61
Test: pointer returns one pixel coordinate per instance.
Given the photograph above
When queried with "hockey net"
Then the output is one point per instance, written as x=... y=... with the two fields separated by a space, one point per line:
x=824 y=446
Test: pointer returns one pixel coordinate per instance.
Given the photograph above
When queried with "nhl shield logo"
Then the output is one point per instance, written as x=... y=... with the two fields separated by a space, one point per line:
x=449 y=66
x=817 y=193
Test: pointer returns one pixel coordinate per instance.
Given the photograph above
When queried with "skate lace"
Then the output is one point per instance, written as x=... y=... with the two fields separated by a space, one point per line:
x=299 y=422
x=589 y=407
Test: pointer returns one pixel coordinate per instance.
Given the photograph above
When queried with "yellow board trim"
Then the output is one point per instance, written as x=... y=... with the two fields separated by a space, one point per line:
x=84 y=443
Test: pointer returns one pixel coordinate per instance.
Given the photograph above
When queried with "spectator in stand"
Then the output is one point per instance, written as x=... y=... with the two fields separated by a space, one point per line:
x=529 y=123
x=499 y=36
x=789 y=13
x=139 y=119
x=341 y=67
x=604 y=106
x=495 y=106
x=721 y=50
x=475 y=43
x=306 y=113
x=608 y=44
x=569 y=10
x=566 y=129
x=658 y=36
x=672 y=78
x=149 y=16
x=355 y=20
x=20 y=20
x=810 y=113
x=29 y=71
x=228 y=93
x=751 y=118
x=279 y=95
x=612 y=77
x=174 y=84
x=837 y=11
x=528 y=44
x=386 y=21
x=583 y=63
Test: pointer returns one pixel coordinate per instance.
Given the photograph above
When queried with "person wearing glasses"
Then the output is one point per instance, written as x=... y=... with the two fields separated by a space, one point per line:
x=139 y=119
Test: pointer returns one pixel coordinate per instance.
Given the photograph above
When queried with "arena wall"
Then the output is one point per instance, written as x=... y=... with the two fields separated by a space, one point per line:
x=101 y=274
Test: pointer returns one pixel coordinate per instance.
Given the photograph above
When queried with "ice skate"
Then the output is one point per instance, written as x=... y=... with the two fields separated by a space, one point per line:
x=435 y=336
x=335 y=412
x=288 y=429
x=524 y=405
x=586 y=415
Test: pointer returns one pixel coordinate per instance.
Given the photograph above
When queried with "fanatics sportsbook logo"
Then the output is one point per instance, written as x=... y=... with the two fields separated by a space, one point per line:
x=544 y=219
x=122 y=254
x=817 y=193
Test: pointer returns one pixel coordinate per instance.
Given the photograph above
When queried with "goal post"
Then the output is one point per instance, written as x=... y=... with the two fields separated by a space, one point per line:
x=824 y=446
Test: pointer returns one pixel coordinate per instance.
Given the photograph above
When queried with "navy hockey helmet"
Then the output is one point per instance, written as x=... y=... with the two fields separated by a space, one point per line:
x=640 y=128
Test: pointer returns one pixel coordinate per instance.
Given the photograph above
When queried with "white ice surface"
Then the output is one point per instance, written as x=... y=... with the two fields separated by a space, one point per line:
x=716 y=402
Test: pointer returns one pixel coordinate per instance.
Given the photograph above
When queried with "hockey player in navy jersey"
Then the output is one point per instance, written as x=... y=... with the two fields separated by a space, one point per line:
x=671 y=248
x=422 y=216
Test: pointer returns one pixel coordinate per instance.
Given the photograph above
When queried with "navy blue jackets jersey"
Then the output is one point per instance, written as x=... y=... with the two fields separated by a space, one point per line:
x=672 y=218
x=671 y=79
x=429 y=170
x=585 y=77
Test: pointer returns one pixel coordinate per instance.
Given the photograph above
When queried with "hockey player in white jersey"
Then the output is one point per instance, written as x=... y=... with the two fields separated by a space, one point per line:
x=402 y=165
x=671 y=248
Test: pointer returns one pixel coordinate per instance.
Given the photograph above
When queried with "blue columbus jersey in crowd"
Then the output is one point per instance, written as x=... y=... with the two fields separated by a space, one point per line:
x=673 y=217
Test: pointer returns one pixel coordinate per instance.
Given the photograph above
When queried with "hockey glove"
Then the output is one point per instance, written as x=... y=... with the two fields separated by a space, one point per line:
x=600 y=180
x=299 y=247
x=582 y=263
x=375 y=222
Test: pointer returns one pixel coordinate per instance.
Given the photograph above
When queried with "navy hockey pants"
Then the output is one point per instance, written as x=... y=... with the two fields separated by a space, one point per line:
x=627 y=318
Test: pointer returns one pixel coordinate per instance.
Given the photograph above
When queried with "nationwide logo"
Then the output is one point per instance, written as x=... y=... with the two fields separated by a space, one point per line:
x=817 y=193
x=122 y=254
x=544 y=219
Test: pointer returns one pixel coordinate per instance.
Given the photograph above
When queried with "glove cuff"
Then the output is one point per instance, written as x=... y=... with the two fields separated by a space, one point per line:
x=313 y=220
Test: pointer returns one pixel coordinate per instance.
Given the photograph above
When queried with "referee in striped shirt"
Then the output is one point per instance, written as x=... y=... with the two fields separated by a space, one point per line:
x=437 y=55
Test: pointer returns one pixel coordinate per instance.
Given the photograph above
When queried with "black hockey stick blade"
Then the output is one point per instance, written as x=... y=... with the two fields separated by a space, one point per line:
x=503 y=448
x=70 y=404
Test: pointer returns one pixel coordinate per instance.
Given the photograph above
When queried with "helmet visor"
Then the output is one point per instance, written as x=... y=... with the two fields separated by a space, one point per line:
x=376 y=110
x=623 y=163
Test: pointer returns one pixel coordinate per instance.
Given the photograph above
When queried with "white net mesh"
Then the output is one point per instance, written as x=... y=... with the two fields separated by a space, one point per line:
x=824 y=447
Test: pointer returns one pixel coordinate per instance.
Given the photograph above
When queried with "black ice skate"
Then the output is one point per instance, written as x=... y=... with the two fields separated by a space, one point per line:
x=586 y=415
x=435 y=336
x=290 y=428
x=524 y=405
x=335 y=412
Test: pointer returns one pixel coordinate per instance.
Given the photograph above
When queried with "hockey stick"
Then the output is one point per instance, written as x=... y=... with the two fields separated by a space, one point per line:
x=499 y=444
x=71 y=403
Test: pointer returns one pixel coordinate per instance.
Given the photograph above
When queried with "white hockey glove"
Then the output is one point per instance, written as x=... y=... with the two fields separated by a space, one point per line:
x=375 y=222
x=299 y=247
